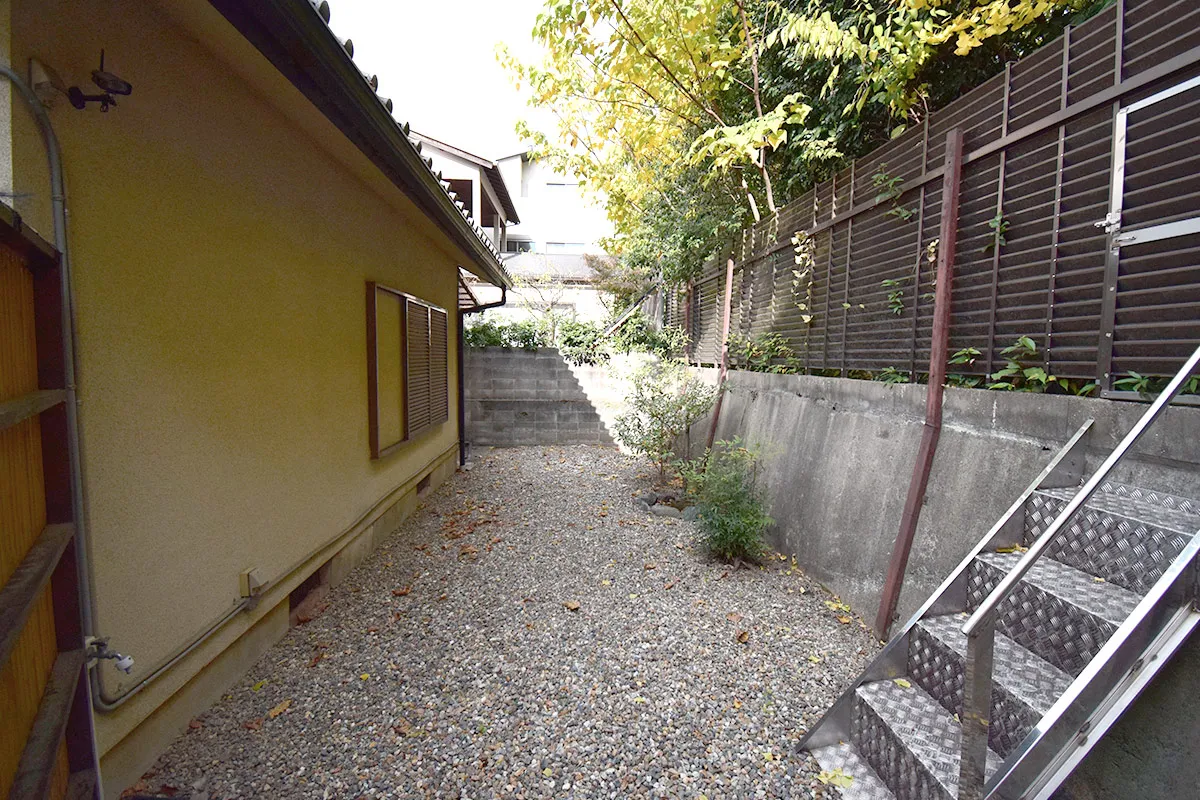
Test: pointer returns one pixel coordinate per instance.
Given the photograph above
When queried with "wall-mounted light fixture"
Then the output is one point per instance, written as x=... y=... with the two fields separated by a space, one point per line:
x=109 y=85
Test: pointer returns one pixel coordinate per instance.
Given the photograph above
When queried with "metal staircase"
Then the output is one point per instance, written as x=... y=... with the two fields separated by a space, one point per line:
x=1032 y=648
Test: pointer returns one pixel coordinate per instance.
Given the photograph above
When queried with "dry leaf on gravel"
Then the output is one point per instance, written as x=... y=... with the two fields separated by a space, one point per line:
x=733 y=616
x=670 y=584
x=649 y=566
x=253 y=724
x=279 y=709
x=402 y=591
x=743 y=637
x=844 y=620
x=571 y=605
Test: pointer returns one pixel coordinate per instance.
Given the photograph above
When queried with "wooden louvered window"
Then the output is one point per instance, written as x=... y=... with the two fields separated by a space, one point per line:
x=407 y=375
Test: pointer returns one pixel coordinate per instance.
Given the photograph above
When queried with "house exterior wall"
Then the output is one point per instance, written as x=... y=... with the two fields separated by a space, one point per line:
x=549 y=214
x=222 y=233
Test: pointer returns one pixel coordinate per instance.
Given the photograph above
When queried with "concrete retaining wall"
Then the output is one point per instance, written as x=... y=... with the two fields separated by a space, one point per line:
x=520 y=397
x=839 y=456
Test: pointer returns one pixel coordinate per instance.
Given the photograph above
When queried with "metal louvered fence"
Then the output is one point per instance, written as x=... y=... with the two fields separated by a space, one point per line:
x=1078 y=222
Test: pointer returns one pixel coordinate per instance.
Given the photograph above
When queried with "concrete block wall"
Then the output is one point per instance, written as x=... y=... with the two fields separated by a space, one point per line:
x=520 y=397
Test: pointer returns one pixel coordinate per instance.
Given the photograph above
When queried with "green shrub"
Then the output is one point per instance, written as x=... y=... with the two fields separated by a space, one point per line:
x=526 y=334
x=483 y=333
x=582 y=342
x=767 y=352
x=666 y=400
x=638 y=335
x=732 y=506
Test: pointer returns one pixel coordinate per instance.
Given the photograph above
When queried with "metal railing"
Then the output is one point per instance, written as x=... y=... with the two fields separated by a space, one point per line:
x=980 y=629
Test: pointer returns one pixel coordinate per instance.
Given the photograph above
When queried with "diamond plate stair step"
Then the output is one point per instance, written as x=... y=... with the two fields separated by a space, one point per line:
x=910 y=741
x=1061 y=614
x=1124 y=534
x=844 y=760
x=1024 y=687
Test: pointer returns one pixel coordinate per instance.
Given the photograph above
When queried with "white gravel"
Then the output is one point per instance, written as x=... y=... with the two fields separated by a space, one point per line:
x=479 y=681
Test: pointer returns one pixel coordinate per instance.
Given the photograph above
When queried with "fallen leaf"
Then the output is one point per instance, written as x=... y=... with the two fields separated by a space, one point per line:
x=903 y=684
x=402 y=591
x=279 y=709
x=443 y=596
x=737 y=703
x=253 y=724
x=195 y=725
x=547 y=772
x=649 y=566
x=633 y=596
x=571 y=605
x=1016 y=548
x=768 y=756
x=743 y=637
x=364 y=676
x=640 y=700
x=815 y=659
x=372 y=629
x=606 y=582
x=723 y=575
x=258 y=686
x=670 y=584
x=316 y=659
x=733 y=616
x=836 y=778
x=836 y=605
x=844 y=620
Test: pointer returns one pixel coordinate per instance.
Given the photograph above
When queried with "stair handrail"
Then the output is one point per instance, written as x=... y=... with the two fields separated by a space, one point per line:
x=980 y=628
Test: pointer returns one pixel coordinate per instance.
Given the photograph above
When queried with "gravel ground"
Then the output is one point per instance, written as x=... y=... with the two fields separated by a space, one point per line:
x=455 y=663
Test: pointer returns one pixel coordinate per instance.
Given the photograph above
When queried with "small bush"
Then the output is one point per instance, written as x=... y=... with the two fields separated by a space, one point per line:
x=483 y=333
x=733 y=515
x=638 y=335
x=767 y=352
x=526 y=334
x=582 y=342
x=666 y=400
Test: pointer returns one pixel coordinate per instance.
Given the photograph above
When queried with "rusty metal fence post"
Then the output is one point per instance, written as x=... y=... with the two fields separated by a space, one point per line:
x=948 y=236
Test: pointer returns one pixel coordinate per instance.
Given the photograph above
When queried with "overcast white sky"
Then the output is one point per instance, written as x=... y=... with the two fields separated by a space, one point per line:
x=436 y=60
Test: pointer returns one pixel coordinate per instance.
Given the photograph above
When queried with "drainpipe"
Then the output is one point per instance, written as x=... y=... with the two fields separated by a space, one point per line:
x=462 y=406
x=724 y=368
x=58 y=201
x=934 y=389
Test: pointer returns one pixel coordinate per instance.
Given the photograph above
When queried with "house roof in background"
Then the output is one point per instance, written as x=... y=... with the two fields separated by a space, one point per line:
x=561 y=266
x=490 y=170
x=294 y=35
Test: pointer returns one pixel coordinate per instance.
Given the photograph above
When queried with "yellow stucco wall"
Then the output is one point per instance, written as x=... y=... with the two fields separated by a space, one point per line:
x=222 y=233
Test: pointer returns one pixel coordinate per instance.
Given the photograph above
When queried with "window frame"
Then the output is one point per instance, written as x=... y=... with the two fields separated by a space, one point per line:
x=436 y=394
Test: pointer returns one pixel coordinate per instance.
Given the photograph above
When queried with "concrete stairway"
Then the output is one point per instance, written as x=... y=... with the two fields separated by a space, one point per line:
x=1114 y=592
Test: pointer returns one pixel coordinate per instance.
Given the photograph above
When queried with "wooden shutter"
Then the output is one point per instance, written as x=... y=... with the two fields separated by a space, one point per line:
x=420 y=414
x=439 y=387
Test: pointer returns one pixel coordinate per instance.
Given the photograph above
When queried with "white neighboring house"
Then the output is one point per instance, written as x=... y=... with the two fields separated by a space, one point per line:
x=548 y=254
x=562 y=283
x=477 y=181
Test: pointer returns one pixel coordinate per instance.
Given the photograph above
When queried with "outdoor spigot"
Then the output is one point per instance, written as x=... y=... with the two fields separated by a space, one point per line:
x=98 y=649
